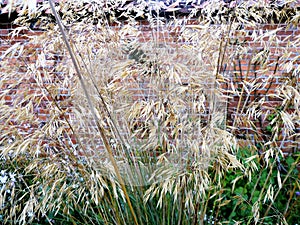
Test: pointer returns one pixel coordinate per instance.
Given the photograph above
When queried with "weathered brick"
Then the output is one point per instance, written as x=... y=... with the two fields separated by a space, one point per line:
x=243 y=37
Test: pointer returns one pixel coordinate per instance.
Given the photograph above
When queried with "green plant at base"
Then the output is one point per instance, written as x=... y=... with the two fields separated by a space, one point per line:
x=242 y=198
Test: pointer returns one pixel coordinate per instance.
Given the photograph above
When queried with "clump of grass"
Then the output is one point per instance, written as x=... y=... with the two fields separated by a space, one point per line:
x=144 y=134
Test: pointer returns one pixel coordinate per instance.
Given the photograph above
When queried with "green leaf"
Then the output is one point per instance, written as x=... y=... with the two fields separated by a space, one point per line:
x=290 y=161
x=269 y=128
x=255 y=196
x=239 y=191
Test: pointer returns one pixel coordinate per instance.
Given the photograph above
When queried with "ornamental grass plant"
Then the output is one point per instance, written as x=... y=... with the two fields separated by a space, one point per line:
x=140 y=125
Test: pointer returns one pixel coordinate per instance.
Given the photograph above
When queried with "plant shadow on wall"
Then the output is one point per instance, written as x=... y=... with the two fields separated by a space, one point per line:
x=160 y=103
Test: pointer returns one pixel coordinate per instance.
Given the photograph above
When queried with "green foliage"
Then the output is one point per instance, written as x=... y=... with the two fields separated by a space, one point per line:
x=243 y=196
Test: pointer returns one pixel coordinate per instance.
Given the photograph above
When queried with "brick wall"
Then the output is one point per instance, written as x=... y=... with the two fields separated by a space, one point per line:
x=20 y=78
x=238 y=69
x=277 y=53
x=277 y=65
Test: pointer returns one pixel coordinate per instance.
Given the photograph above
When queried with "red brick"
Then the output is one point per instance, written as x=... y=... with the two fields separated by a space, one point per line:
x=270 y=26
x=297 y=32
x=42 y=118
x=170 y=36
x=8 y=98
x=284 y=33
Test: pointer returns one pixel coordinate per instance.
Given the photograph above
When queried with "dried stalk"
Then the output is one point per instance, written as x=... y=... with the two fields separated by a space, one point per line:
x=99 y=126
